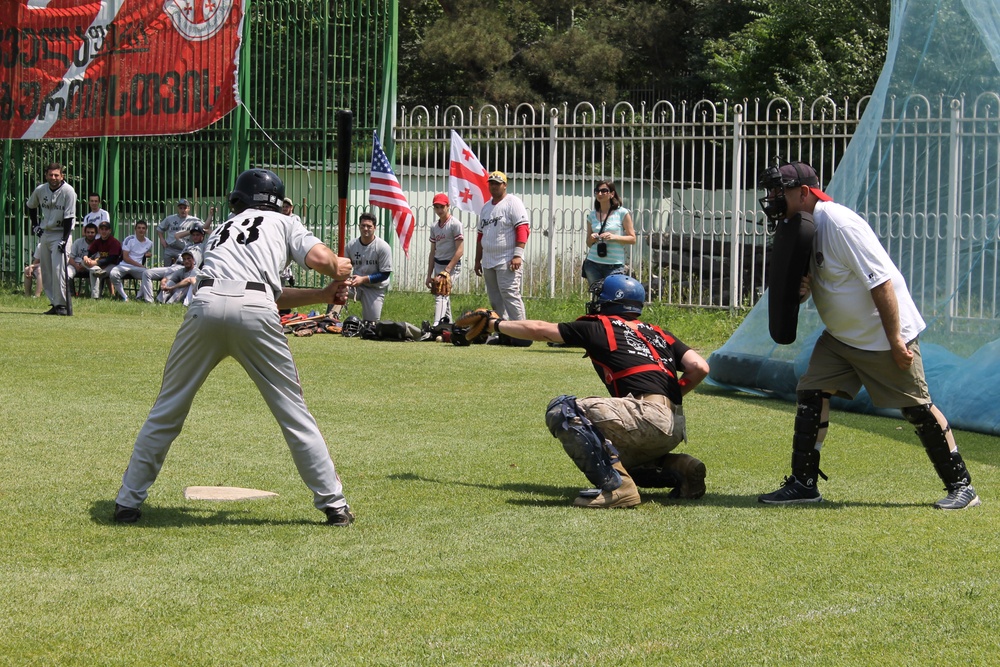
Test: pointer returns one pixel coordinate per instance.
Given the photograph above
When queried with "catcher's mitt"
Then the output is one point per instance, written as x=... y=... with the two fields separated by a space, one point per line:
x=475 y=323
x=441 y=285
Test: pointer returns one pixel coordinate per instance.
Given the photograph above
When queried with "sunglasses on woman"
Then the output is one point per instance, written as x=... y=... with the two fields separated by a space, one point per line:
x=602 y=191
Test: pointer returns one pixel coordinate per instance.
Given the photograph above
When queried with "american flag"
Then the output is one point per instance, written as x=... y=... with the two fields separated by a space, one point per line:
x=384 y=192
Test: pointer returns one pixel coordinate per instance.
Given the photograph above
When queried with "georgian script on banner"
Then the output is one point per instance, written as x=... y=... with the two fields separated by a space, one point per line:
x=87 y=68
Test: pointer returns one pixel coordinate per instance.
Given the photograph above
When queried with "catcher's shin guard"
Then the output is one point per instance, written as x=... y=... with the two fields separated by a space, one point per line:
x=808 y=422
x=949 y=465
x=591 y=453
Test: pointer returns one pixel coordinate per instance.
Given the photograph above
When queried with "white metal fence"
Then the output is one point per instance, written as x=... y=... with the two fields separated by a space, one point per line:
x=688 y=174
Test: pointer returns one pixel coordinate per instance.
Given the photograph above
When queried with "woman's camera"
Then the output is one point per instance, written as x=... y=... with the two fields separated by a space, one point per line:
x=602 y=249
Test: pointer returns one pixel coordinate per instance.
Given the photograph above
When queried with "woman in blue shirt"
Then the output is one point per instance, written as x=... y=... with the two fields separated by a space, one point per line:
x=609 y=230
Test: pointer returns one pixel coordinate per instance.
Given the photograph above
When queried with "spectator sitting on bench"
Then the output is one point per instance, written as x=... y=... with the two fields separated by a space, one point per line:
x=135 y=249
x=33 y=273
x=103 y=255
x=178 y=286
x=79 y=250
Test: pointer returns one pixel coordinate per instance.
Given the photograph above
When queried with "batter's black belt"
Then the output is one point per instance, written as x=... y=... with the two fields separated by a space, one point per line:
x=257 y=287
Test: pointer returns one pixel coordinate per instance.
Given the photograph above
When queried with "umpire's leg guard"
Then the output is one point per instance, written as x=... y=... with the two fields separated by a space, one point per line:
x=933 y=435
x=592 y=454
x=808 y=422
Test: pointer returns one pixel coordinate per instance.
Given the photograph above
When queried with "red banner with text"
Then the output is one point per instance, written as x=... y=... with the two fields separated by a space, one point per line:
x=92 y=68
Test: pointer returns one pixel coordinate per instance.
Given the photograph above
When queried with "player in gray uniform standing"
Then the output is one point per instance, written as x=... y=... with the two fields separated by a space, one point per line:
x=168 y=228
x=447 y=247
x=235 y=314
x=57 y=199
x=372 y=260
x=502 y=235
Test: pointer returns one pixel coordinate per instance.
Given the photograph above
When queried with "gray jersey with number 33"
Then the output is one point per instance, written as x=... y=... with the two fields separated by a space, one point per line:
x=255 y=246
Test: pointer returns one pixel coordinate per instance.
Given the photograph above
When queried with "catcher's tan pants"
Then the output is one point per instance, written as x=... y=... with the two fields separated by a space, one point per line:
x=224 y=320
x=642 y=431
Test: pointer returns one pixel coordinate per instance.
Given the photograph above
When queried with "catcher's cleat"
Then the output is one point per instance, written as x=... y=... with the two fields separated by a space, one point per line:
x=958 y=498
x=339 y=516
x=692 y=472
x=126 y=514
x=792 y=491
x=625 y=495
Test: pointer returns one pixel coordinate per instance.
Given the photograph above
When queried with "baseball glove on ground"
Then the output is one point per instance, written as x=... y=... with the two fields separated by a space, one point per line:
x=441 y=284
x=475 y=323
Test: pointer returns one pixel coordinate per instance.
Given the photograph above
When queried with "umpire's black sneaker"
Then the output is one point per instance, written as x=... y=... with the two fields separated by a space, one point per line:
x=791 y=491
x=958 y=498
x=126 y=514
x=339 y=516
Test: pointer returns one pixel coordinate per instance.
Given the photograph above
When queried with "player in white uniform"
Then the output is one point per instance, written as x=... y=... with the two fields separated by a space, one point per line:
x=96 y=215
x=168 y=228
x=870 y=339
x=135 y=248
x=235 y=314
x=57 y=199
x=447 y=247
x=502 y=235
x=372 y=260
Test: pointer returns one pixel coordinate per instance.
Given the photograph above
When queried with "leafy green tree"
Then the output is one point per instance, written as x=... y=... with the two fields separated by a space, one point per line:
x=796 y=49
x=510 y=51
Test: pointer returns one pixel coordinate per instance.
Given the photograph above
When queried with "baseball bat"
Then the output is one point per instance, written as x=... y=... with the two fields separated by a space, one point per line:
x=69 y=284
x=345 y=131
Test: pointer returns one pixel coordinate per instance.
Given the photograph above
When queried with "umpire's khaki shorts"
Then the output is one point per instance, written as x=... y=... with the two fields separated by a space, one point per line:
x=641 y=431
x=837 y=367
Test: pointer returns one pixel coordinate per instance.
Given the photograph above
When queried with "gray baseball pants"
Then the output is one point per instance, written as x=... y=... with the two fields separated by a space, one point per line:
x=503 y=287
x=229 y=320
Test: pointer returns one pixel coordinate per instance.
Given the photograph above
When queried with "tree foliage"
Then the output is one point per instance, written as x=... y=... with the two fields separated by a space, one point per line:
x=802 y=49
x=471 y=52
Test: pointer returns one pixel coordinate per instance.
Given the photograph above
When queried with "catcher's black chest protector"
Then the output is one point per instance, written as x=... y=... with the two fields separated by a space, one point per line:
x=633 y=363
x=788 y=263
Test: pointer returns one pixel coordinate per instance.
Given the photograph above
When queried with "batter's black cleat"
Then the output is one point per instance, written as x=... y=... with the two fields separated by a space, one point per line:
x=958 y=498
x=339 y=516
x=792 y=491
x=51 y=311
x=126 y=514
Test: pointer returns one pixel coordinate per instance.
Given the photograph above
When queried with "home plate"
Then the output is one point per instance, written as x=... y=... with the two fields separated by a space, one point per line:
x=224 y=493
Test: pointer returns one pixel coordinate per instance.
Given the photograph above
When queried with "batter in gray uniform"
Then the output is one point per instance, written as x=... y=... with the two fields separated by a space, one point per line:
x=235 y=314
x=57 y=199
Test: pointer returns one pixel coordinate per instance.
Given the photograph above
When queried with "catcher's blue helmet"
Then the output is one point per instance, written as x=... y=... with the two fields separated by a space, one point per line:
x=618 y=294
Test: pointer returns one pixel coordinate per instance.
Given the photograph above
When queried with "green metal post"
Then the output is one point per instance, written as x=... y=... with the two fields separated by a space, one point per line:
x=113 y=180
x=240 y=145
x=387 y=114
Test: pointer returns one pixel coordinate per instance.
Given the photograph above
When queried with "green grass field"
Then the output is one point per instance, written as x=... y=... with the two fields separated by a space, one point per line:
x=466 y=549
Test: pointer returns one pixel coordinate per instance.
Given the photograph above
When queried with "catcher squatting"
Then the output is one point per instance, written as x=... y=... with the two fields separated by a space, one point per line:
x=626 y=440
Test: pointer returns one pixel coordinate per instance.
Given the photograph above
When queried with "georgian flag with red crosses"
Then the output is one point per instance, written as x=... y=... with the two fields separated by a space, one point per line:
x=468 y=189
